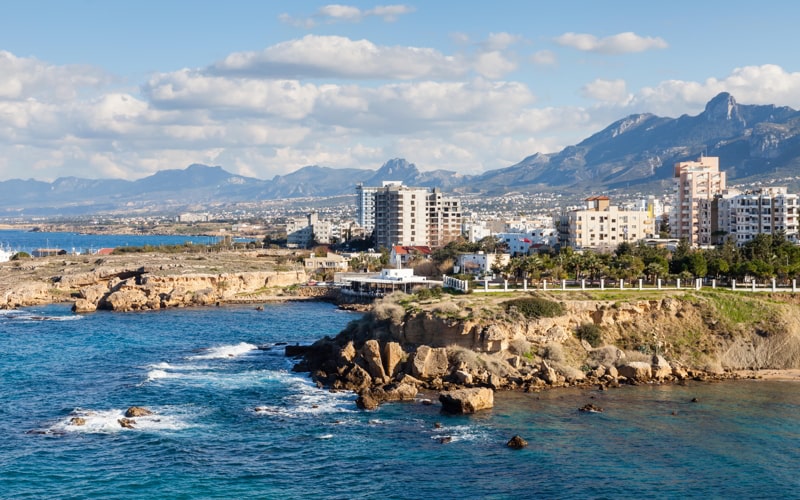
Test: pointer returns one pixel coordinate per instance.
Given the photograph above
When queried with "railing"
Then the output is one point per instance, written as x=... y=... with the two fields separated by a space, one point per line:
x=454 y=283
x=637 y=285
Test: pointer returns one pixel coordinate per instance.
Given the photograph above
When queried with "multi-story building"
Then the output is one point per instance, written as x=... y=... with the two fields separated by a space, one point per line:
x=444 y=218
x=763 y=211
x=696 y=185
x=411 y=216
x=481 y=263
x=604 y=226
x=401 y=214
x=303 y=231
x=365 y=204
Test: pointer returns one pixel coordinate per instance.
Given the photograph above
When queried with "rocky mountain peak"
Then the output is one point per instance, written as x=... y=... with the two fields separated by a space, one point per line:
x=723 y=107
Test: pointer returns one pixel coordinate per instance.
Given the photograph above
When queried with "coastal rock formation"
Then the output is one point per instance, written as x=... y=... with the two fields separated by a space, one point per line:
x=27 y=294
x=516 y=443
x=147 y=281
x=467 y=400
x=137 y=411
x=478 y=343
x=428 y=362
x=145 y=291
x=636 y=370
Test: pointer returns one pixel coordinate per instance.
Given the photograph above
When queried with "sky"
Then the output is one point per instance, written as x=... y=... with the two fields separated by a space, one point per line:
x=122 y=89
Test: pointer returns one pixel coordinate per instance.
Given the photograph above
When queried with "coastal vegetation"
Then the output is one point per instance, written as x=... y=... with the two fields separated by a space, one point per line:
x=539 y=340
x=764 y=257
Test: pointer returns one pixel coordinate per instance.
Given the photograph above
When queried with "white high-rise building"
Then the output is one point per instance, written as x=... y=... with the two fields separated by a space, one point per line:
x=365 y=204
x=411 y=216
x=763 y=211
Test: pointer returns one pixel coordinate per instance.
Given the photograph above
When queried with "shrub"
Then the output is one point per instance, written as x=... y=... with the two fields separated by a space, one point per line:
x=388 y=311
x=553 y=352
x=591 y=333
x=535 y=307
x=606 y=356
x=521 y=347
x=428 y=293
x=458 y=355
x=447 y=309
x=21 y=256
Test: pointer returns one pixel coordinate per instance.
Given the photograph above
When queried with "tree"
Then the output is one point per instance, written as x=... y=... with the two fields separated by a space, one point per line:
x=697 y=264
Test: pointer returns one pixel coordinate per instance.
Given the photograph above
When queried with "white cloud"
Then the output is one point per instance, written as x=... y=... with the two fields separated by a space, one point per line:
x=338 y=57
x=336 y=13
x=23 y=77
x=765 y=84
x=501 y=41
x=607 y=91
x=494 y=64
x=544 y=58
x=190 y=89
x=390 y=13
x=621 y=43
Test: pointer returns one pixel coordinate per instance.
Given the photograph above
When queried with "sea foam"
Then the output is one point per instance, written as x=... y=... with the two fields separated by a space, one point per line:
x=108 y=421
x=226 y=351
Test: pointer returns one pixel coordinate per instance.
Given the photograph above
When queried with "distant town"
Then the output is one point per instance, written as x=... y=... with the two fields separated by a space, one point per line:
x=702 y=229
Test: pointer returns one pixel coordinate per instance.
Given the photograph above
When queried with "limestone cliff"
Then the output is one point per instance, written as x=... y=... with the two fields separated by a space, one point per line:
x=458 y=341
x=149 y=281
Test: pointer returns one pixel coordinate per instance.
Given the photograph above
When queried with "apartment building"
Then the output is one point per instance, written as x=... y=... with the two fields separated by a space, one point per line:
x=365 y=204
x=604 y=226
x=444 y=218
x=411 y=216
x=301 y=232
x=767 y=210
x=697 y=183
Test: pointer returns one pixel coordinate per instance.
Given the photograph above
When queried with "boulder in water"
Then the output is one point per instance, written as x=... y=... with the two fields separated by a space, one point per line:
x=137 y=411
x=467 y=400
x=127 y=423
x=517 y=443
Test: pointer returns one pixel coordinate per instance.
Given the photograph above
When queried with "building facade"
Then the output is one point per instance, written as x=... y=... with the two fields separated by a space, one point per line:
x=301 y=232
x=365 y=204
x=697 y=183
x=604 y=226
x=411 y=216
x=444 y=218
x=770 y=210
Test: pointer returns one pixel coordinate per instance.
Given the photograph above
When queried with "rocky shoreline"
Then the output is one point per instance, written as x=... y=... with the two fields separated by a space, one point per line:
x=402 y=348
x=152 y=281
x=381 y=372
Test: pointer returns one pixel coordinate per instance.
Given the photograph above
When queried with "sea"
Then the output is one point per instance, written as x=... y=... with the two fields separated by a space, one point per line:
x=231 y=419
x=27 y=241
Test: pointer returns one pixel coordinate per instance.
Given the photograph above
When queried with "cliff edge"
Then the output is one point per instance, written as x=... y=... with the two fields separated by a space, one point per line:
x=543 y=340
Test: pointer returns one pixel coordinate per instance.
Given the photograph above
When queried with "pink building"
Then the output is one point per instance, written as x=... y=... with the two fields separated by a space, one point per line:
x=696 y=184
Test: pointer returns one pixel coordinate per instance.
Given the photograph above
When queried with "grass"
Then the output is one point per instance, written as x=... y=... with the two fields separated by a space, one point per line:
x=738 y=308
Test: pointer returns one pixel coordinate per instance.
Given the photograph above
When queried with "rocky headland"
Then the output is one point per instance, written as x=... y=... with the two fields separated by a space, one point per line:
x=408 y=344
x=134 y=282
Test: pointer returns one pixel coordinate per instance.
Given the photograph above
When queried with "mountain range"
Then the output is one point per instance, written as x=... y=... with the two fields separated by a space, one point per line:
x=754 y=143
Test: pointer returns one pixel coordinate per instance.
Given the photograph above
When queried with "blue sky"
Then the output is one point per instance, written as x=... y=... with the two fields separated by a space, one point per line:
x=104 y=89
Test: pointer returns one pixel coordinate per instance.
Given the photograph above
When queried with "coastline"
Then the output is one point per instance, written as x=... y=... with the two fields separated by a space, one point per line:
x=783 y=375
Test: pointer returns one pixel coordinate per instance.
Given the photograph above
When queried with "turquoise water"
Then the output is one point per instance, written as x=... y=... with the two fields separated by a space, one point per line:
x=27 y=241
x=233 y=421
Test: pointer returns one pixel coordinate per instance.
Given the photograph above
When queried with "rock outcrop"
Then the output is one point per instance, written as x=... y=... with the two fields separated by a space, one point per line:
x=467 y=400
x=516 y=443
x=502 y=350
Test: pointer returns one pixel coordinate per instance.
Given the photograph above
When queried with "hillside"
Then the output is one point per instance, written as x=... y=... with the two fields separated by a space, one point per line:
x=755 y=143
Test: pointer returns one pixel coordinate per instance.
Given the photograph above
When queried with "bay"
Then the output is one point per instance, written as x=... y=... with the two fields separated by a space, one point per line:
x=27 y=241
x=233 y=421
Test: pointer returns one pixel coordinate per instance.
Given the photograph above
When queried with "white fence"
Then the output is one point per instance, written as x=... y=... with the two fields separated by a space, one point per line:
x=573 y=285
